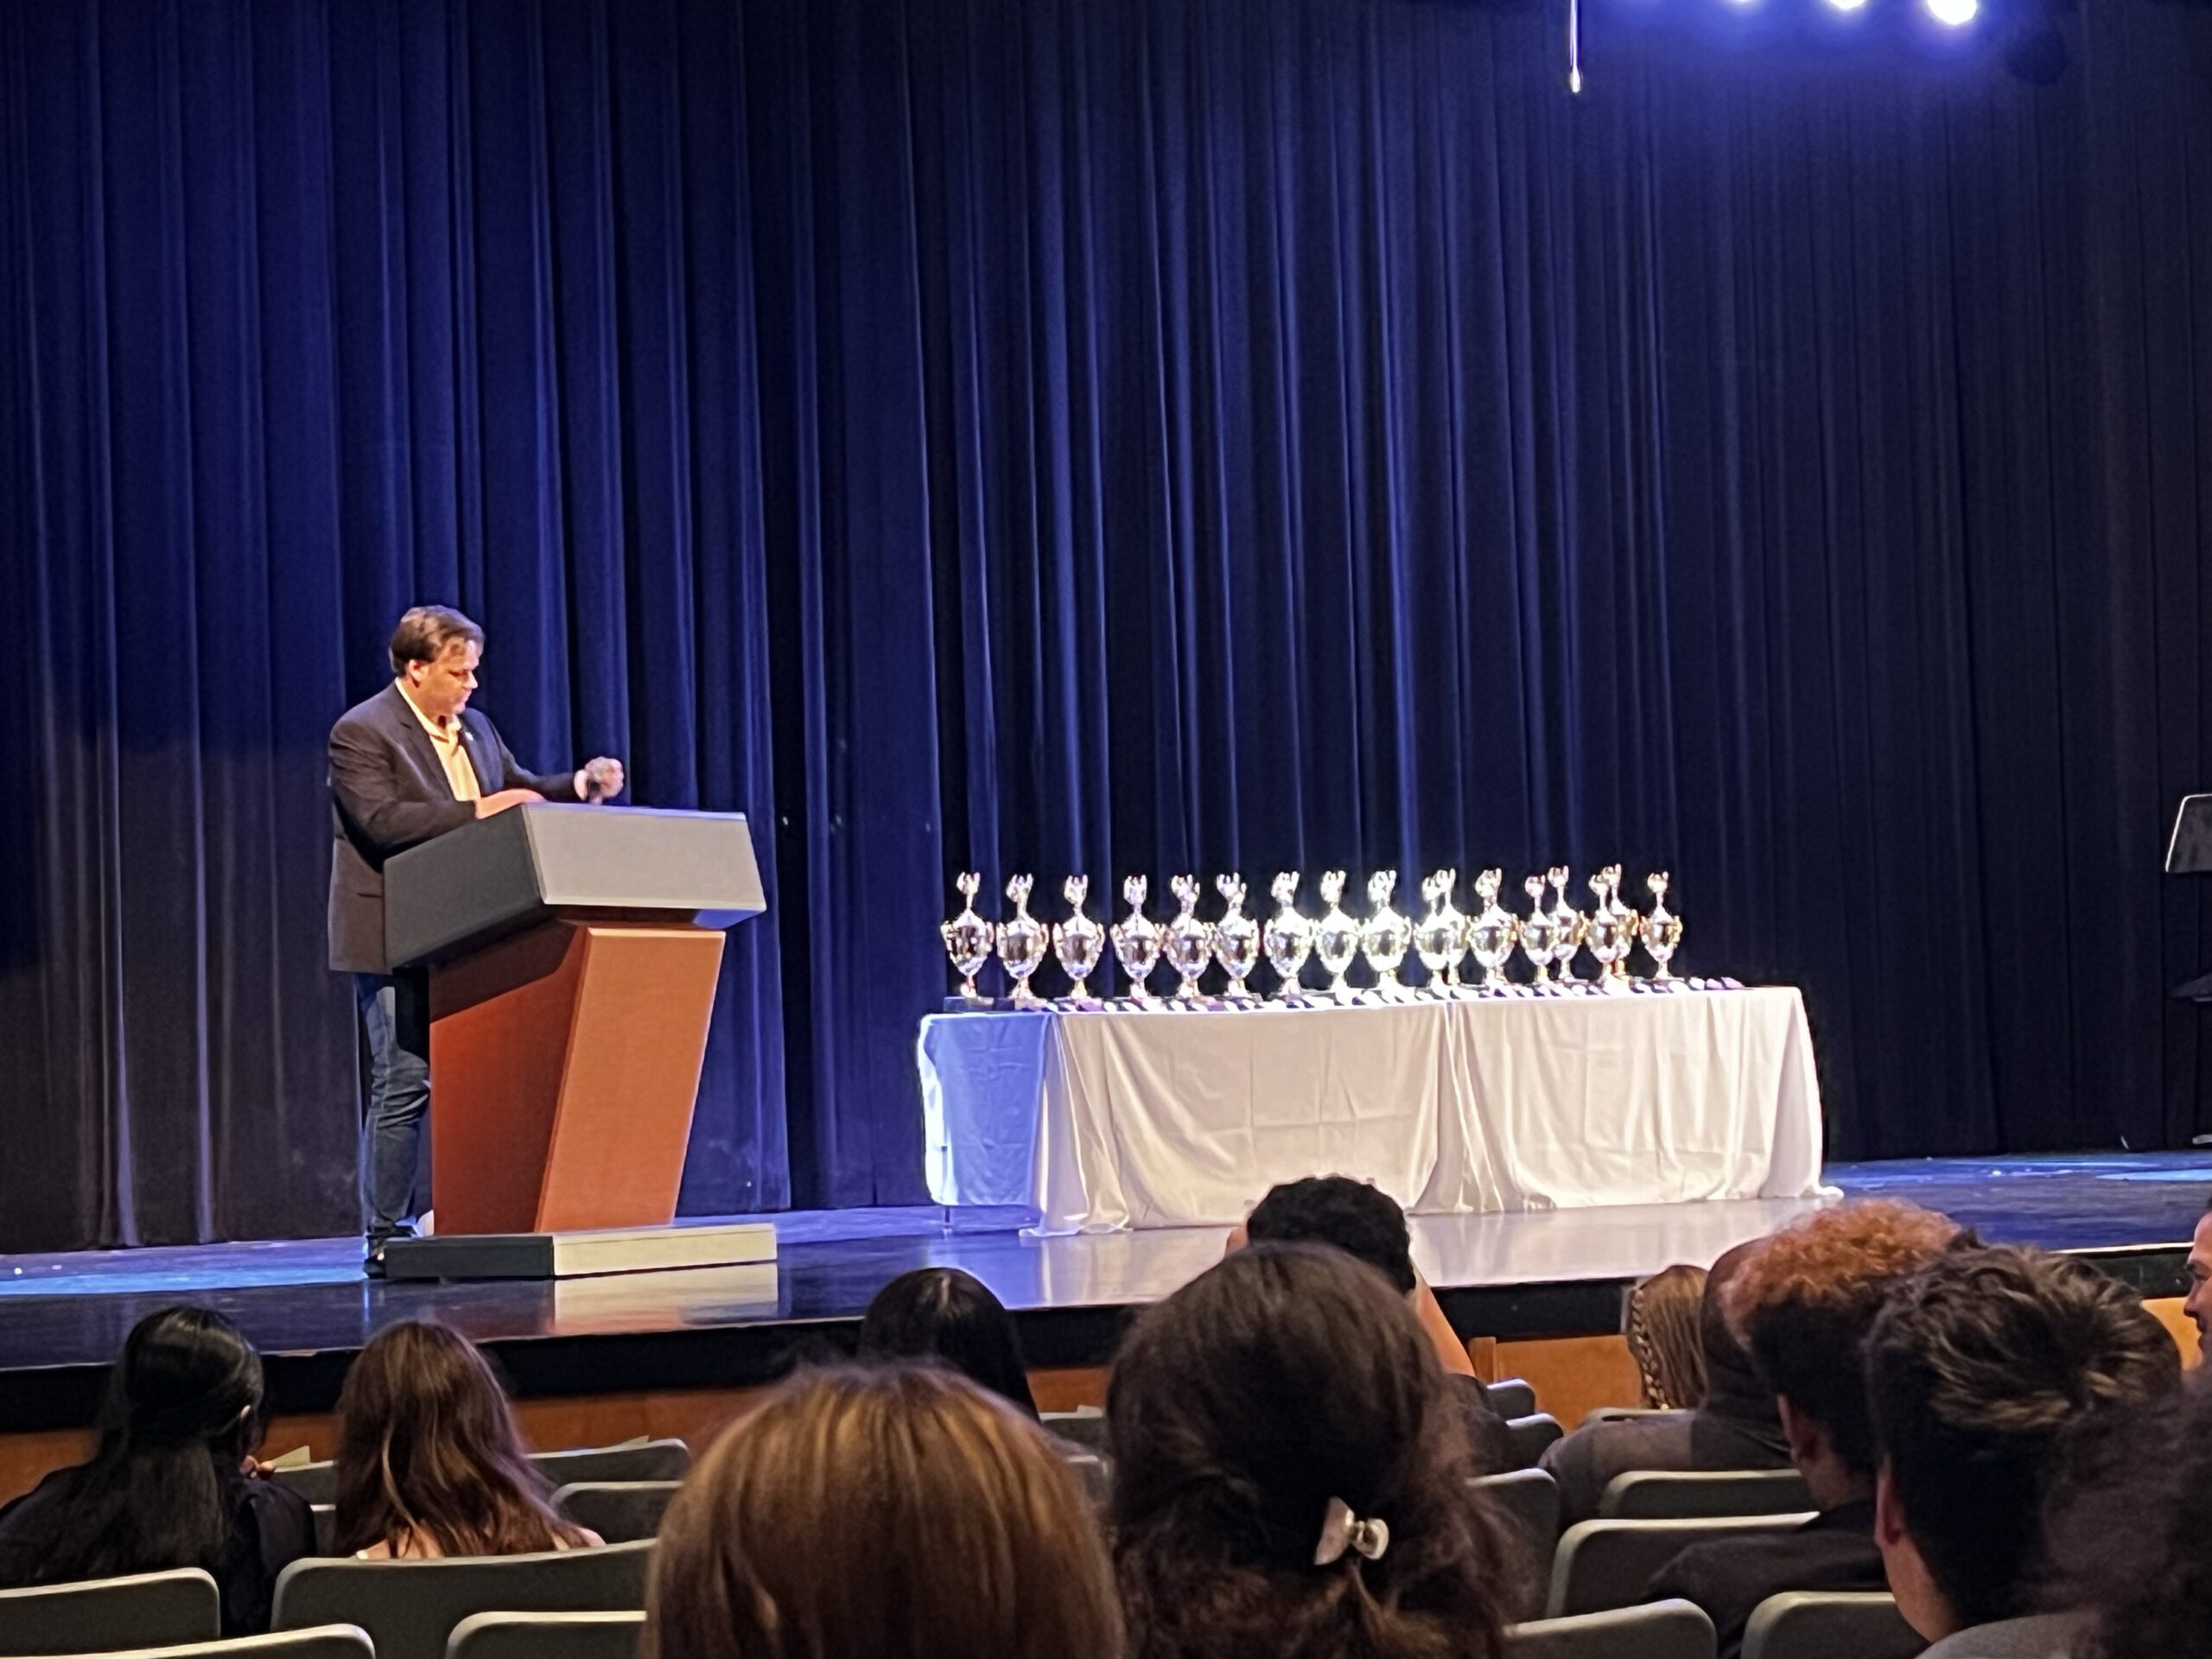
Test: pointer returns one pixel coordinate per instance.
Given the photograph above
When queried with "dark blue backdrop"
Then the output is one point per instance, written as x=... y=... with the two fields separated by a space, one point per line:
x=1103 y=434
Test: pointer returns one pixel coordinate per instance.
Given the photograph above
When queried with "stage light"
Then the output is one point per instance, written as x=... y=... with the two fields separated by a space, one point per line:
x=1847 y=5
x=1956 y=14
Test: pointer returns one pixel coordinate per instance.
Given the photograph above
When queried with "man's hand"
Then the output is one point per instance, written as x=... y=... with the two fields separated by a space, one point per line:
x=600 y=779
x=490 y=805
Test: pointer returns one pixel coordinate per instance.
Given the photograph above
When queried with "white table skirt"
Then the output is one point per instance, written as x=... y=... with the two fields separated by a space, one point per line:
x=1154 y=1118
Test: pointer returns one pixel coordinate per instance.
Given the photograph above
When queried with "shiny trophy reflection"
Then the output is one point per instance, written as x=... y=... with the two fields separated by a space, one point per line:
x=1384 y=938
x=1136 y=942
x=1440 y=937
x=1336 y=936
x=1288 y=939
x=1539 y=936
x=1492 y=937
x=1190 y=941
x=1236 y=938
x=1662 y=932
x=1021 y=943
x=1078 y=943
x=968 y=940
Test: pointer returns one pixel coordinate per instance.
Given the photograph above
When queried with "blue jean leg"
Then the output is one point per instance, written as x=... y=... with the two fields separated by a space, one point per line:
x=395 y=1175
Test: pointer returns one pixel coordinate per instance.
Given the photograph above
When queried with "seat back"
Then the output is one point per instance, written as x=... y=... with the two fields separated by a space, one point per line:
x=1662 y=1629
x=1606 y=1563
x=1623 y=1414
x=638 y=1460
x=328 y=1642
x=410 y=1608
x=1512 y=1397
x=1529 y=1500
x=1097 y=1477
x=619 y=1511
x=1829 y=1624
x=1084 y=1428
x=546 y=1636
x=148 y=1609
x=1526 y=1437
x=1670 y=1495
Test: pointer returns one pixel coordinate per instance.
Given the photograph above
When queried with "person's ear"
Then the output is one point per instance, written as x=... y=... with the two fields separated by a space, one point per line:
x=1889 y=1514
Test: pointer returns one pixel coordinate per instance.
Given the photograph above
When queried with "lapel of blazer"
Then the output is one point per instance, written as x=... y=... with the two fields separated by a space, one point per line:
x=415 y=739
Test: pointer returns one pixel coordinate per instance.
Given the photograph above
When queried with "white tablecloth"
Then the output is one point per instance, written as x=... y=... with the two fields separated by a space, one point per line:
x=1158 y=1118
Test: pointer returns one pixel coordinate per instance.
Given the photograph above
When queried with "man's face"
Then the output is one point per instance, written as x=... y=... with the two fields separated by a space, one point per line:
x=2199 y=1305
x=441 y=689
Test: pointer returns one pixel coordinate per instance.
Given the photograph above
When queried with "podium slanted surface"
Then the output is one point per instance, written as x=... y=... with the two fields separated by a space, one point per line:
x=573 y=953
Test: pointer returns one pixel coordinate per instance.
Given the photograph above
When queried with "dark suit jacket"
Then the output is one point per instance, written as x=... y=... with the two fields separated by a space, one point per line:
x=388 y=792
x=1730 y=1577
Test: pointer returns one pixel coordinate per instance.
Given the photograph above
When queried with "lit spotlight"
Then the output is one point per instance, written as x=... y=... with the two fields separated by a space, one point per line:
x=1847 y=5
x=1955 y=13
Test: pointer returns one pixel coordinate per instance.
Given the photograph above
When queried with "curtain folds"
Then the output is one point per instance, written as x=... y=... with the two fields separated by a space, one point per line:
x=1101 y=435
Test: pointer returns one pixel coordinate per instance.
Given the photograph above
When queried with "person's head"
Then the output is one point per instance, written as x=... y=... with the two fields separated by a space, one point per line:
x=2198 y=1305
x=897 y=1511
x=429 y=1456
x=944 y=1314
x=1734 y=1389
x=1361 y=1220
x=434 y=651
x=1279 y=1390
x=183 y=1409
x=2127 y=1529
x=1663 y=1329
x=1805 y=1305
x=1974 y=1366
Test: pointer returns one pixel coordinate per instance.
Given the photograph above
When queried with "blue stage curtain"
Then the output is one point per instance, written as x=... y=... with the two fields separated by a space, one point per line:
x=1113 y=434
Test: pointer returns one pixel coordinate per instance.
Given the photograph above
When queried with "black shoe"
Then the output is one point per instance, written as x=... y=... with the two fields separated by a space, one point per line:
x=372 y=1264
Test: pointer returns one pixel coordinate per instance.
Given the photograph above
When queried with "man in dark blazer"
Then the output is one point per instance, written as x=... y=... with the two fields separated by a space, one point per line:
x=410 y=763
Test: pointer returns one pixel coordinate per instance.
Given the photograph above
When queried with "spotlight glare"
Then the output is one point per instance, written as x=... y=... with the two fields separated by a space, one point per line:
x=1847 y=5
x=1953 y=14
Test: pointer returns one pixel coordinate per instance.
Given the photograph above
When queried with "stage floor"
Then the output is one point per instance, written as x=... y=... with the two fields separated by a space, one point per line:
x=1553 y=1273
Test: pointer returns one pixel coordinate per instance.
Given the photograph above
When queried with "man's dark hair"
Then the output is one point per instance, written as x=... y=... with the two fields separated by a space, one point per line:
x=1974 y=1366
x=945 y=1314
x=424 y=632
x=1358 y=1219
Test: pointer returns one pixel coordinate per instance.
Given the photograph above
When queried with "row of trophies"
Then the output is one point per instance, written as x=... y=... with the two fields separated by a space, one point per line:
x=1549 y=938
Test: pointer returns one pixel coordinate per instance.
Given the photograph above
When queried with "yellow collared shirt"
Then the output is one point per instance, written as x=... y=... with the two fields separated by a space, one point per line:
x=461 y=774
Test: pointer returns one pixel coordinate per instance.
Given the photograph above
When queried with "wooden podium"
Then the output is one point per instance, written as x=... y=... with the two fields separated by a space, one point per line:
x=573 y=953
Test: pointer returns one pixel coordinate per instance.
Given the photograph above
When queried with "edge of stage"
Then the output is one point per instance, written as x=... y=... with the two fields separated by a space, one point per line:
x=1536 y=1276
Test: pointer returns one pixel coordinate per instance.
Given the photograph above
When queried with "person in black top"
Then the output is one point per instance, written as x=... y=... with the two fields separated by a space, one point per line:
x=1366 y=1223
x=1803 y=1306
x=171 y=1485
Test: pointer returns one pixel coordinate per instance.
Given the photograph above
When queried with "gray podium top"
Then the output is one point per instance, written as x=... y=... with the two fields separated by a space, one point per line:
x=501 y=874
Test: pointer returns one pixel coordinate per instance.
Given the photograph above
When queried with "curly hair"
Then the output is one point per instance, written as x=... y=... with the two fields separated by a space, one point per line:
x=1282 y=1378
x=1803 y=1306
x=1974 y=1367
x=1362 y=1221
x=2144 y=1475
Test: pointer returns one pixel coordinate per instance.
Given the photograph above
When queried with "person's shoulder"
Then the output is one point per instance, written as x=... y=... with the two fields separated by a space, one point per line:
x=378 y=712
x=29 y=1511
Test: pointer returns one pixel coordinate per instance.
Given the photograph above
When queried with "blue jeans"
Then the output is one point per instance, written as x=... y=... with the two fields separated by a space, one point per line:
x=395 y=1151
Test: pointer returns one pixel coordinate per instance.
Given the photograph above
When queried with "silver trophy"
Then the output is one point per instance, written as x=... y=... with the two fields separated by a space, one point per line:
x=1610 y=936
x=1287 y=938
x=1336 y=936
x=1022 y=942
x=1539 y=934
x=1236 y=938
x=1385 y=937
x=1493 y=934
x=1078 y=942
x=1136 y=940
x=1190 y=941
x=968 y=940
x=1440 y=937
x=1631 y=920
x=1574 y=929
x=1662 y=931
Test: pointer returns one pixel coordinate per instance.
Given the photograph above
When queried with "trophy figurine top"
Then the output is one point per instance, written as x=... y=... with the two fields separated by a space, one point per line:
x=1539 y=934
x=1385 y=937
x=1572 y=926
x=1078 y=942
x=1493 y=934
x=1021 y=943
x=1136 y=940
x=1440 y=937
x=1662 y=931
x=1287 y=938
x=1190 y=941
x=968 y=940
x=1336 y=936
x=1236 y=937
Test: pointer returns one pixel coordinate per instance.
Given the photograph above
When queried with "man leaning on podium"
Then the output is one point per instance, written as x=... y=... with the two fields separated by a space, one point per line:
x=411 y=763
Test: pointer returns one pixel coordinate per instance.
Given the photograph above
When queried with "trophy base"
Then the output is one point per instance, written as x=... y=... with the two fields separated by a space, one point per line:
x=970 y=1004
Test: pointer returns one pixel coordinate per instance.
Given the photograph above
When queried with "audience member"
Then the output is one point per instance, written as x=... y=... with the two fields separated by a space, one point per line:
x=1292 y=1474
x=429 y=1462
x=944 y=1314
x=1803 y=1306
x=2198 y=1304
x=1366 y=1223
x=1974 y=1368
x=171 y=1485
x=1662 y=1327
x=1735 y=1427
x=2128 y=1532
x=896 y=1512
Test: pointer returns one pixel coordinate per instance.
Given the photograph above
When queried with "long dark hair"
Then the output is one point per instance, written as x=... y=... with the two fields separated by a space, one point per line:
x=944 y=1314
x=183 y=1407
x=1285 y=1377
x=427 y=1452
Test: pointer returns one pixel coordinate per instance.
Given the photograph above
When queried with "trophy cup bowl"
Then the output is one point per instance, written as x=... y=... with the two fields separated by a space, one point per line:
x=1440 y=937
x=1385 y=937
x=1572 y=930
x=1136 y=941
x=1662 y=931
x=1078 y=943
x=1236 y=938
x=1609 y=935
x=1336 y=936
x=1287 y=938
x=968 y=940
x=1539 y=934
x=1022 y=944
x=1493 y=935
x=1190 y=941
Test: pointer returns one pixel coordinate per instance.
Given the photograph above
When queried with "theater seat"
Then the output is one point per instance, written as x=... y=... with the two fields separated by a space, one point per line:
x=635 y=1460
x=1671 y=1495
x=328 y=1642
x=147 y=1610
x=1528 y=1500
x=619 y=1511
x=1526 y=1437
x=1829 y=1624
x=1606 y=1563
x=1662 y=1629
x=546 y=1636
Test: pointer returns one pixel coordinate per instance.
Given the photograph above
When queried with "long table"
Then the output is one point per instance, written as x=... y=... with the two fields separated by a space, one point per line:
x=1100 y=1120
